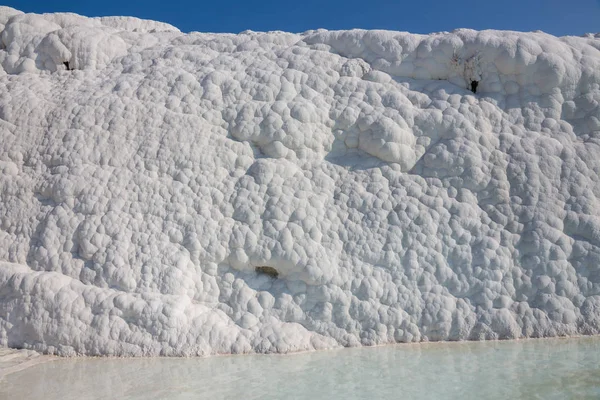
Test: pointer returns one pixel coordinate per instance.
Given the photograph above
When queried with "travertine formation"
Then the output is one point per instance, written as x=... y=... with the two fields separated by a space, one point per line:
x=165 y=193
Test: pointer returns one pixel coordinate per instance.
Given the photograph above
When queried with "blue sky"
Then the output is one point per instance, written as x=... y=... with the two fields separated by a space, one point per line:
x=559 y=17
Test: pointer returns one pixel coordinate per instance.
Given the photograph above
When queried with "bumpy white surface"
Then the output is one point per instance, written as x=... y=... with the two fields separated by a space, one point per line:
x=140 y=190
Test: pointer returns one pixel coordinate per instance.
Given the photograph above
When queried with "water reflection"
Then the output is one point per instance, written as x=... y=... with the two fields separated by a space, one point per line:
x=531 y=369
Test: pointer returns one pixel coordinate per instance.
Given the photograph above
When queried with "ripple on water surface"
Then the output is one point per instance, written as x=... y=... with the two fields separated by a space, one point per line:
x=532 y=369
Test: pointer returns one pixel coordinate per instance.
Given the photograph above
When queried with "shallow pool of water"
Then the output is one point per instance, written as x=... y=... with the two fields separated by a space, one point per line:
x=527 y=369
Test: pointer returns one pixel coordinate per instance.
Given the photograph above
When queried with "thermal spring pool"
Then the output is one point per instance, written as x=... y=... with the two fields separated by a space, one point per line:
x=521 y=369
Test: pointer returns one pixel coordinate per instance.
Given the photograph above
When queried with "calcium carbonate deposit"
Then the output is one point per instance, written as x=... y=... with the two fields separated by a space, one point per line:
x=164 y=193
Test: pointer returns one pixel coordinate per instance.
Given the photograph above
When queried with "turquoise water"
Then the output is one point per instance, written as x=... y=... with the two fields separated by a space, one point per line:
x=527 y=369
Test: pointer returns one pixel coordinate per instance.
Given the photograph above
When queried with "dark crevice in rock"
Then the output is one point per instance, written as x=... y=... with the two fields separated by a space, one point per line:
x=474 y=85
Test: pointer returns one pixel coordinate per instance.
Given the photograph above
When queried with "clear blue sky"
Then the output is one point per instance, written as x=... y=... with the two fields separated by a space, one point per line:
x=558 y=17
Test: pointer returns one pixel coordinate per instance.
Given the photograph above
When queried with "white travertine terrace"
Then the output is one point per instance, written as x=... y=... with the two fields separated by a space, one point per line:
x=145 y=175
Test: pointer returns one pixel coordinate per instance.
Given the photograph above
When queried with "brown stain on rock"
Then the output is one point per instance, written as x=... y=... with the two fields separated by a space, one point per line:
x=272 y=272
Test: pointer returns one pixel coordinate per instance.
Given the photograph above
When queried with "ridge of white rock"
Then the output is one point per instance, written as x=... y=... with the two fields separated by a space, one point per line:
x=148 y=177
x=12 y=361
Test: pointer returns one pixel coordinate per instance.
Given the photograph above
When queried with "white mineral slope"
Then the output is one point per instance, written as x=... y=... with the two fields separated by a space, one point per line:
x=146 y=173
x=12 y=361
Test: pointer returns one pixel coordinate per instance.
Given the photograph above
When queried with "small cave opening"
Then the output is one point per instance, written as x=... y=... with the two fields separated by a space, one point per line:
x=270 y=271
x=474 y=85
x=66 y=64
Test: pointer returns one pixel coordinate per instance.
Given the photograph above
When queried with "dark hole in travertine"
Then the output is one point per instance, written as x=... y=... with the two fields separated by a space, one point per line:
x=474 y=85
x=272 y=272
x=66 y=64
